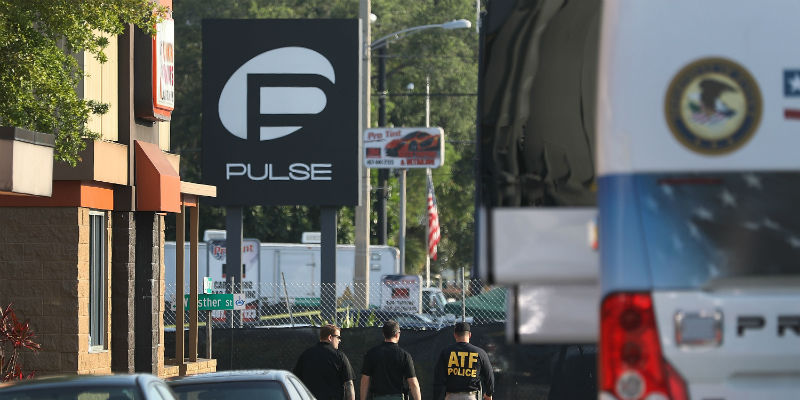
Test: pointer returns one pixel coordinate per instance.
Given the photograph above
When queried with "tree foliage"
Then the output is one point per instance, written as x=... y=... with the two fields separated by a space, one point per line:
x=448 y=58
x=38 y=80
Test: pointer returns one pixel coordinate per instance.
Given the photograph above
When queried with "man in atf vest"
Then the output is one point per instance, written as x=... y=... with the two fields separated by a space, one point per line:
x=463 y=371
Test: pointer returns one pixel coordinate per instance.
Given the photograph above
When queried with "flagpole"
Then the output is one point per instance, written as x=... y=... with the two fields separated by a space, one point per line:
x=427 y=243
x=428 y=171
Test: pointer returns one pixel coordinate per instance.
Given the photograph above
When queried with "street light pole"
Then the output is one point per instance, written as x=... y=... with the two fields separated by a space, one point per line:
x=361 y=277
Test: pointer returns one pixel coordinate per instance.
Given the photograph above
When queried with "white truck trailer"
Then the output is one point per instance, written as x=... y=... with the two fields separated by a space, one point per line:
x=265 y=263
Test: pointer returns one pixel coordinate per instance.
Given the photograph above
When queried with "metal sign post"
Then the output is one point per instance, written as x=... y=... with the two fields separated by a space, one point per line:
x=401 y=242
x=328 y=259
x=233 y=261
x=208 y=334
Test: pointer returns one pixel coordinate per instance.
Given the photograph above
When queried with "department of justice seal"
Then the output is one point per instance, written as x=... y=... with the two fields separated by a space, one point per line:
x=713 y=106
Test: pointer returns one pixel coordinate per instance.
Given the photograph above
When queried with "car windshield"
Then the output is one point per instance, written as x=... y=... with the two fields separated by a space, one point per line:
x=440 y=299
x=31 y=392
x=265 y=390
x=702 y=229
x=423 y=317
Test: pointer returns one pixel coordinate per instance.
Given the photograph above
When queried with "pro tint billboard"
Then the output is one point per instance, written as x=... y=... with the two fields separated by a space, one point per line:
x=404 y=147
x=281 y=111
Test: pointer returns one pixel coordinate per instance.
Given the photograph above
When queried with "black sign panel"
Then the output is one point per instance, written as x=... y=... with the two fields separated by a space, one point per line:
x=281 y=111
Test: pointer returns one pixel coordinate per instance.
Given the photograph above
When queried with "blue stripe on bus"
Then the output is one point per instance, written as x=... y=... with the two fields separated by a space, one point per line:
x=623 y=252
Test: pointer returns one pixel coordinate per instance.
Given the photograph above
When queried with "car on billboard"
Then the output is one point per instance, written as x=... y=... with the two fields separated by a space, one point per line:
x=412 y=143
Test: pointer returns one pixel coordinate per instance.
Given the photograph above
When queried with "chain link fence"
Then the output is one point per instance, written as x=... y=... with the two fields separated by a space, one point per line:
x=278 y=322
x=298 y=304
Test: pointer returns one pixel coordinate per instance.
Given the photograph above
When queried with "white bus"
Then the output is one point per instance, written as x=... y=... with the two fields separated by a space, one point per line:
x=672 y=127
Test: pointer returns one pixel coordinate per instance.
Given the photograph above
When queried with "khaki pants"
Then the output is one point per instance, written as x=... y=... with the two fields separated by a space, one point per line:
x=388 y=397
x=462 y=396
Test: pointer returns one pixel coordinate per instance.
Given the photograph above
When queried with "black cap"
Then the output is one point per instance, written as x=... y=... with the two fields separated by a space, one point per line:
x=461 y=327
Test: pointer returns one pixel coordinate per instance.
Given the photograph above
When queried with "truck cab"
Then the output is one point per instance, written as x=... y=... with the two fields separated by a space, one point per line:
x=433 y=301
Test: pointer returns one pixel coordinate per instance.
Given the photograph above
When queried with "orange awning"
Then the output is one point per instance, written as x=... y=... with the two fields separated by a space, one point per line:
x=158 y=185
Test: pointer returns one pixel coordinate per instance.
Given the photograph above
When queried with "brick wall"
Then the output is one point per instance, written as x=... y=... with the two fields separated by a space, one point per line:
x=123 y=268
x=159 y=311
x=149 y=288
x=44 y=271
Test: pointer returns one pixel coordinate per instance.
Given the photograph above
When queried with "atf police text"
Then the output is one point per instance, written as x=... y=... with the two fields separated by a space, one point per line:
x=461 y=363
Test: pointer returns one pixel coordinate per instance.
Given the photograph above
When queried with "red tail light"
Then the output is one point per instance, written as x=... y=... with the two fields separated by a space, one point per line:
x=631 y=363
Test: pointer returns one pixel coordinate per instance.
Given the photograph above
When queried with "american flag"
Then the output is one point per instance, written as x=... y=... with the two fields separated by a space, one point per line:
x=433 y=219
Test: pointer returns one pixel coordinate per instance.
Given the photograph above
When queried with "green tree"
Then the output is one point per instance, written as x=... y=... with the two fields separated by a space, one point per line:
x=449 y=60
x=39 y=73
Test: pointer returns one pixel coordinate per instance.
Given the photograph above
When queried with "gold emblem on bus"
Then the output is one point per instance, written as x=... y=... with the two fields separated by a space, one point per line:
x=713 y=106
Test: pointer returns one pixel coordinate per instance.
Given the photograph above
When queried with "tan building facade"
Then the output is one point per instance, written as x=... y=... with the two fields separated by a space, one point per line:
x=45 y=265
x=85 y=264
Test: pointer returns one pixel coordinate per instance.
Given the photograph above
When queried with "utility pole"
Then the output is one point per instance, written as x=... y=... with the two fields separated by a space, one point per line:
x=383 y=173
x=361 y=273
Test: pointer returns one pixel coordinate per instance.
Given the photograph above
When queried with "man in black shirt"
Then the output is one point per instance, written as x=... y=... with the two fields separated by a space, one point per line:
x=462 y=368
x=389 y=370
x=324 y=369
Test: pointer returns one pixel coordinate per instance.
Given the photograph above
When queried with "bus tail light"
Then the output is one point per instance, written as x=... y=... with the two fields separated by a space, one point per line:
x=632 y=366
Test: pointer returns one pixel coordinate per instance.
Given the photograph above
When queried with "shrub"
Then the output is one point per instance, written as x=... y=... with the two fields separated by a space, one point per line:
x=14 y=336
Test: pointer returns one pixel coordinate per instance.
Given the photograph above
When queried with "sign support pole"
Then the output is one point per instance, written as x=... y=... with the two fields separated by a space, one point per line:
x=328 y=259
x=401 y=243
x=208 y=334
x=233 y=255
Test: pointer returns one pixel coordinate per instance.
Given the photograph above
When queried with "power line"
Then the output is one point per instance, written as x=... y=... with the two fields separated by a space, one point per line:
x=423 y=94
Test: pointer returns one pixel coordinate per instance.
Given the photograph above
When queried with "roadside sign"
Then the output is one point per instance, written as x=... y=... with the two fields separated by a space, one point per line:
x=280 y=112
x=404 y=147
x=208 y=285
x=217 y=263
x=225 y=301
x=250 y=314
x=401 y=293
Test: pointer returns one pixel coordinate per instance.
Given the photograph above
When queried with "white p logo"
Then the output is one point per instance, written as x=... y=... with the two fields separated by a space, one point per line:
x=269 y=93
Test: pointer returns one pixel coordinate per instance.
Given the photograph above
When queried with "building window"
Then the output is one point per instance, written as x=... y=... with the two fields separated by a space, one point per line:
x=97 y=280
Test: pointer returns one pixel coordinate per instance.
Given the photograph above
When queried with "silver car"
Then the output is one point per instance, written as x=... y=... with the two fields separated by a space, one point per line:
x=250 y=384
x=105 y=387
